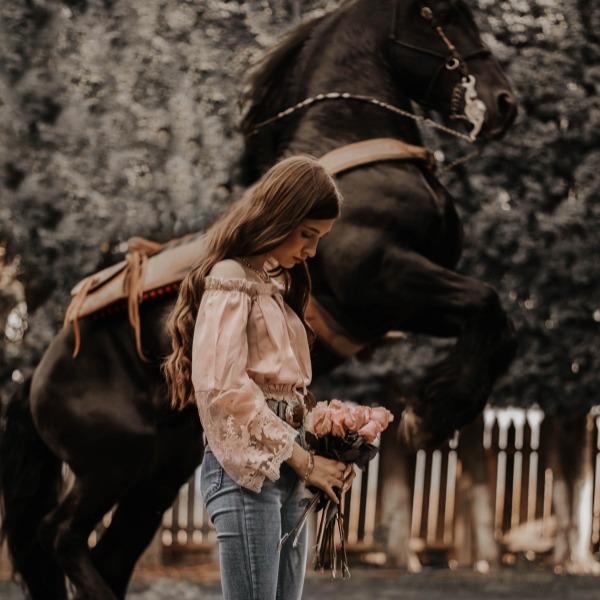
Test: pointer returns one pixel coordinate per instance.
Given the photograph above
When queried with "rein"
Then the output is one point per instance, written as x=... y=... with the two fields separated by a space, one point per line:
x=357 y=97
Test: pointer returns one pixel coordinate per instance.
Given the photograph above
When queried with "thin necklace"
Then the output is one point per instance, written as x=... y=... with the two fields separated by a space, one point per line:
x=262 y=274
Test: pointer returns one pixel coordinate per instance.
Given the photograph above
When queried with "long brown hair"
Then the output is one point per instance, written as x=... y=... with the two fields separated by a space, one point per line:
x=295 y=189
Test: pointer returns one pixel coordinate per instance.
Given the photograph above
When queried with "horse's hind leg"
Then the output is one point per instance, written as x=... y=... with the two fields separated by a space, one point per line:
x=134 y=523
x=30 y=480
x=177 y=453
x=65 y=531
x=132 y=528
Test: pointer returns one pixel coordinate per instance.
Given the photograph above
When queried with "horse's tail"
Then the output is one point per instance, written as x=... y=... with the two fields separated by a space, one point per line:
x=30 y=482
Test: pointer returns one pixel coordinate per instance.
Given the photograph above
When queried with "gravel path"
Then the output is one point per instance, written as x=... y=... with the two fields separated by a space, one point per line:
x=383 y=585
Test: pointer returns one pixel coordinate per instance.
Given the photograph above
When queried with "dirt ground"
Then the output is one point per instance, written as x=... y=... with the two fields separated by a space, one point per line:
x=507 y=584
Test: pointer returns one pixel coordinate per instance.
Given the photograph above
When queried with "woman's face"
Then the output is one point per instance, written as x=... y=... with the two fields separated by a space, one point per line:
x=302 y=242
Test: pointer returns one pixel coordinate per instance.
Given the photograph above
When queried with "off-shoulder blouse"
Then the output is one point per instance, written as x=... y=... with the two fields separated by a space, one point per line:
x=249 y=346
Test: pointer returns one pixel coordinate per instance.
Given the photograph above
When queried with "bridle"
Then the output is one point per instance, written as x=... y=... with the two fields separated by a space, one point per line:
x=474 y=107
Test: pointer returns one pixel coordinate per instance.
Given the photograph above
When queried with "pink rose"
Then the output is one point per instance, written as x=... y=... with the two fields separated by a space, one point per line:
x=338 y=418
x=321 y=419
x=337 y=405
x=349 y=420
x=382 y=415
x=369 y=431
x=360 y=415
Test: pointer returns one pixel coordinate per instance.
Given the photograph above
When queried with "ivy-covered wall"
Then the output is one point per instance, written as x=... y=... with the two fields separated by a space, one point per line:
x=120 y=119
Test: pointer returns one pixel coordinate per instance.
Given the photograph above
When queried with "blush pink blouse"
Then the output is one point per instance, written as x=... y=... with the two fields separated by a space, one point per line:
x=249 y=346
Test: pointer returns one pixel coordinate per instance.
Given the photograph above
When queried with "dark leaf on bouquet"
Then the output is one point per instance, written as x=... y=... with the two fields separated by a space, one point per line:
x=348 y=449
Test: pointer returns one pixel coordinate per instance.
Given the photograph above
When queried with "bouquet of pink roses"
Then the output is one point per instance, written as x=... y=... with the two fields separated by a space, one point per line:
x=344 y=432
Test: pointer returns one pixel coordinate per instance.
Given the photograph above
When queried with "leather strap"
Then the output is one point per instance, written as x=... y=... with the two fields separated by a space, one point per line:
x=330 y=331
x=371 y=151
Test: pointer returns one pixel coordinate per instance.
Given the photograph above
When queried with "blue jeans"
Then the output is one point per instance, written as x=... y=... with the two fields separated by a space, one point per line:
x=249 y=527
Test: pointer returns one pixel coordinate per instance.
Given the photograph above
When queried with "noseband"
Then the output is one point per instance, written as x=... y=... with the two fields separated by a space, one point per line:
x=474 y=108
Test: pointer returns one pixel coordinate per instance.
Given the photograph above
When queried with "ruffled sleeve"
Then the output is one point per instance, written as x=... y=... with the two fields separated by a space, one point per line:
x=246 y=437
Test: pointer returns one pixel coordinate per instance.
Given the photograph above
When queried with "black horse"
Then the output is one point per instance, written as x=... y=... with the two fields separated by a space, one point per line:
x=389 y=263
x=387 y=266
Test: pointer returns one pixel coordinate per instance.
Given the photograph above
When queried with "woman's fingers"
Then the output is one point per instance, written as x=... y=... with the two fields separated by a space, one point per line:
x=331 y=493
x=332 y=476
x=349 y=478
x=342 y=476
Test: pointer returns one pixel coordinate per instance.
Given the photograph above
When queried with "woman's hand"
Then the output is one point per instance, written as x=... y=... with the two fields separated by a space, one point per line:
x=328 y=475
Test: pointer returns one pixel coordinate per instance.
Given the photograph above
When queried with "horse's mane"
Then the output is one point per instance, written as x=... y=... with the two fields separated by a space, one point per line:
x=264 y=94
x=273 y=85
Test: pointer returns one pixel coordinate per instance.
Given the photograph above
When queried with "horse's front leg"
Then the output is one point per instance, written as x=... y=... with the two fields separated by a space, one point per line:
x=423 y=297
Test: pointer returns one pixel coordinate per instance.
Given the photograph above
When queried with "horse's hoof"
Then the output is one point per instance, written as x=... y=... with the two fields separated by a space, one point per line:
x=411 y=431
x=415 y=435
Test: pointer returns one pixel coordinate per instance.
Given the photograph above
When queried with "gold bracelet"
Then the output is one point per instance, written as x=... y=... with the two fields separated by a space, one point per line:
x=310 y=467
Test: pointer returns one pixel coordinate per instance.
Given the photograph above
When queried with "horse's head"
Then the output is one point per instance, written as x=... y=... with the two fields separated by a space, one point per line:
x=383 y=52
x=451 y=70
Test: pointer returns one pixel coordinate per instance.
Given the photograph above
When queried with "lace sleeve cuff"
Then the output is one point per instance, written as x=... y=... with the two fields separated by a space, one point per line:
x=249 y=444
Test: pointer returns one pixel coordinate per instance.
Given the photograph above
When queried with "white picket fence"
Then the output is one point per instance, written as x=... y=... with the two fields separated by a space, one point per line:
x=521 y=490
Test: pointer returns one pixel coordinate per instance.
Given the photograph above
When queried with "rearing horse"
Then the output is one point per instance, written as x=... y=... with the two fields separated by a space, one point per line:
x=388 y=265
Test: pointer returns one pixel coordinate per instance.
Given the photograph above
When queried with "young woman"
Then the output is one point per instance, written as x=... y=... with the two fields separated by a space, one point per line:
x=241 y=352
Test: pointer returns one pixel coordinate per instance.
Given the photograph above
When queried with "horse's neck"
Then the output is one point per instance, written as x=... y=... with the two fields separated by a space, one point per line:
x=341 y=52
x=345 y=55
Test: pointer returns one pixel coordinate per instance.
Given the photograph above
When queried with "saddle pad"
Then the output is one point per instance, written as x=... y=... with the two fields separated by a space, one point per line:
x=168 y=265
